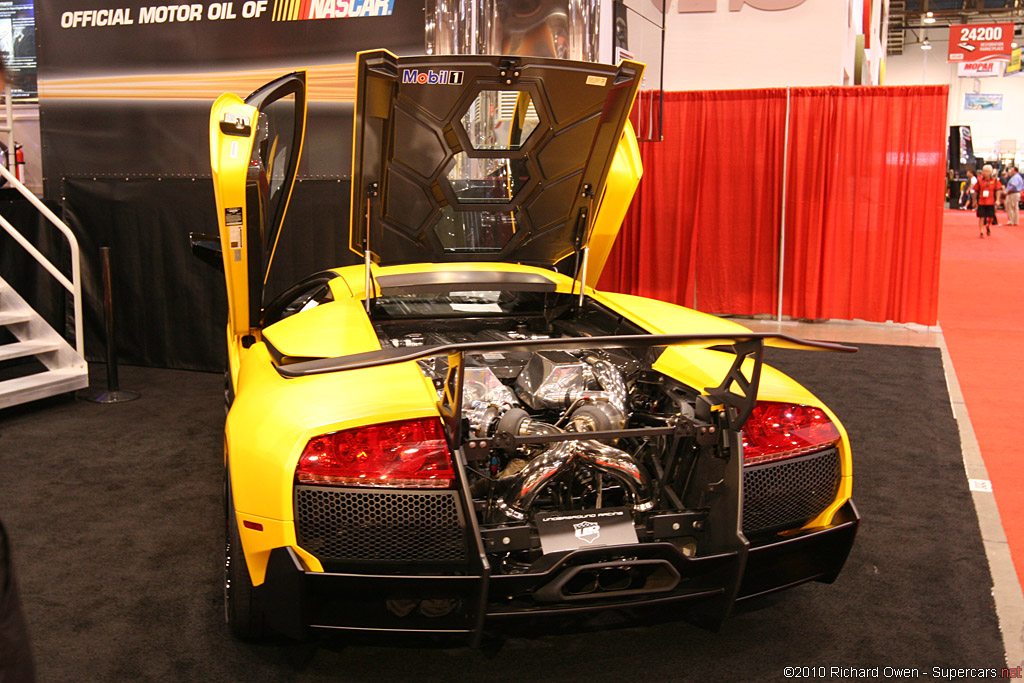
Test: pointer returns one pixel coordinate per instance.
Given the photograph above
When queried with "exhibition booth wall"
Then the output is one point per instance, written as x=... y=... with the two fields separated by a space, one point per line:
x=861 y=239
x=124 y=125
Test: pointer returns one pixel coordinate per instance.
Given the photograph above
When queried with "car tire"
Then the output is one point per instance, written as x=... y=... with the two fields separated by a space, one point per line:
x=243 y=602
x=229 y=391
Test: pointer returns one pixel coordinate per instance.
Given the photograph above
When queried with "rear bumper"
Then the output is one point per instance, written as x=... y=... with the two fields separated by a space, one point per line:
x=701 y=588
x=817 y=555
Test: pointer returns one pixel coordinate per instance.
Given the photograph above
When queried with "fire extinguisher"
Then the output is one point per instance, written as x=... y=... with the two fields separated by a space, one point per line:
x=19 y=161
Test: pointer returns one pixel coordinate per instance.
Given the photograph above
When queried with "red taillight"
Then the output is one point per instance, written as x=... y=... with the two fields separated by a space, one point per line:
x=406 y=454
x=775 y=431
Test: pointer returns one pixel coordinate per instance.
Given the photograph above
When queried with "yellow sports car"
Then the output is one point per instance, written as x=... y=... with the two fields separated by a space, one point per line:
x=461 y=430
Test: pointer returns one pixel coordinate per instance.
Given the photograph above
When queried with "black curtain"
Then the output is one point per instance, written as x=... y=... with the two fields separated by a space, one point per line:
x=170 y=307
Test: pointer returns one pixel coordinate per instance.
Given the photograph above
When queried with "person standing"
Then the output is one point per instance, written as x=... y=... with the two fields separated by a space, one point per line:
x=952 y=189
x=987 y=189
x=966 y=186
x=1014 y=185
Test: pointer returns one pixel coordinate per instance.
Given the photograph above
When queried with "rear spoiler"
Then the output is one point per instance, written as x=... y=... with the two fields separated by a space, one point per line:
x=737 y=392
x=373 y=359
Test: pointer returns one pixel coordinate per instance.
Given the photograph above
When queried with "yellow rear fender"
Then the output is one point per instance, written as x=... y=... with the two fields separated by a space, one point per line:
x=260 y=535
x=272 y=420
x=338 y=328
x=661 y=317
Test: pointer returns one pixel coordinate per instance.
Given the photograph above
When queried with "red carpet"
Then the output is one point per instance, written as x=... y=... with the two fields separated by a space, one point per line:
x=981 y=312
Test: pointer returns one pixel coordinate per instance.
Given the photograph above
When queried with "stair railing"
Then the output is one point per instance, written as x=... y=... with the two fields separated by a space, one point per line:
x=74 y=285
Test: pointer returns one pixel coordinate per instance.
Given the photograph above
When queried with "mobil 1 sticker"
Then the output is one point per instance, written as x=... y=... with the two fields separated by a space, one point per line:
x=584 y=529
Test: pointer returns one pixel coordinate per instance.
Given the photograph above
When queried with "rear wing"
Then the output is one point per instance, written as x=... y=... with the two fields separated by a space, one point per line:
x=737 y=392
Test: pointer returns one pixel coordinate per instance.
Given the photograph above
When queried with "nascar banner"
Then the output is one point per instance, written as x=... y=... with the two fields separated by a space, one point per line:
x=294 y=10
x=125 y=89
x=980 y=42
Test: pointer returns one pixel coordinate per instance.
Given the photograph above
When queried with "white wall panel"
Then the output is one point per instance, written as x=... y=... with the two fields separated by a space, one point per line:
x=811 y=44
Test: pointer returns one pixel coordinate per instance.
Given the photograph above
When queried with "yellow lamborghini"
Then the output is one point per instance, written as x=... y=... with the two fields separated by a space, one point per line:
x=461 y=430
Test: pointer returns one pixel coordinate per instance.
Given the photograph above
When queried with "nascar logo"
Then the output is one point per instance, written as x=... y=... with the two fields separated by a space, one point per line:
x=298 y=10
x=432 y=77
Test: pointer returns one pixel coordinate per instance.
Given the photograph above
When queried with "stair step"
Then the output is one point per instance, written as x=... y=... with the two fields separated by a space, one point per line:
x=26 y=348
x=42 y=385
x=14 y=317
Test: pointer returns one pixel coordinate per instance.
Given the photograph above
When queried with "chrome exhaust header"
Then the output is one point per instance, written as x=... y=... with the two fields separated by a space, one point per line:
x=528 y=483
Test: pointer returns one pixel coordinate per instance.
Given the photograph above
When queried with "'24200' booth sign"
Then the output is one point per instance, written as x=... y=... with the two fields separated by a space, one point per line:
x=980 y=42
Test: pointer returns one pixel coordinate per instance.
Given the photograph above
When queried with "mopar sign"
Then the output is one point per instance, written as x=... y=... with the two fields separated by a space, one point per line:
x=432 y=77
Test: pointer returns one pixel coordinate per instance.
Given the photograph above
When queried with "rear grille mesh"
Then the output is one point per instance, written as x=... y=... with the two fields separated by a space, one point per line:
x=384 y=526
x=789 y=493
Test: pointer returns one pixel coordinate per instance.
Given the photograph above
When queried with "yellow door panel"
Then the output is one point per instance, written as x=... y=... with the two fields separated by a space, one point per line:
x=255 y=145
x=231 y=139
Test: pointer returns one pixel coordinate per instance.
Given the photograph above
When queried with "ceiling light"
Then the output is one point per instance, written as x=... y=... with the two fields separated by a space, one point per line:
x=926 y=45
x=929 y=18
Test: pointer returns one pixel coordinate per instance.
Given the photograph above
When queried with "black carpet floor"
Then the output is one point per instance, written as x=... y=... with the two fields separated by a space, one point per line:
x=115 y=517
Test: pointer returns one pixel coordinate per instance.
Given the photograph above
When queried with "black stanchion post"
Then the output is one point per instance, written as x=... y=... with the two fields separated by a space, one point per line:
x=108 y=315
x=113 y=393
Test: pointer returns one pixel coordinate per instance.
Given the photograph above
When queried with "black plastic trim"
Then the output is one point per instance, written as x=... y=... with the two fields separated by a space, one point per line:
x=207 y=248
x=813 y=555
x=272 y=310
x=279 y=357
x=807 y=460
x=770 y=565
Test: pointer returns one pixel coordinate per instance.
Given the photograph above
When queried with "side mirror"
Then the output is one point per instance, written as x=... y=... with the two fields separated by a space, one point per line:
x=207 y=249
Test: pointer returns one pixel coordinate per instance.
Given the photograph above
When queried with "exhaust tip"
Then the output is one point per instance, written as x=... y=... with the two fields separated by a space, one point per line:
x=610 y=579
x=614 y=579
x=581 y=583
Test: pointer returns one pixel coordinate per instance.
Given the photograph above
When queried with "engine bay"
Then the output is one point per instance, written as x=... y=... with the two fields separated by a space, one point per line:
x=526 y=416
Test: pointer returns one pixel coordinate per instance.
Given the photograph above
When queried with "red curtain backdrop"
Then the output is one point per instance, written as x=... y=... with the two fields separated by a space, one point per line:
x=708 y=204
x=864 y=223
x=864 y=212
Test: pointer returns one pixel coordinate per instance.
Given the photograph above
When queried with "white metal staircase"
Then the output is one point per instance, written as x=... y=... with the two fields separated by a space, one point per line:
x=65 y=366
